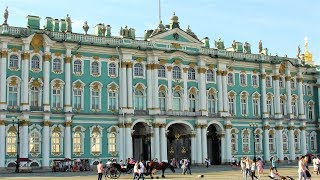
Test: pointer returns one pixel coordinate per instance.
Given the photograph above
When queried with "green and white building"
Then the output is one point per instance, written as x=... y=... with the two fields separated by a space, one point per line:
x=169 y=95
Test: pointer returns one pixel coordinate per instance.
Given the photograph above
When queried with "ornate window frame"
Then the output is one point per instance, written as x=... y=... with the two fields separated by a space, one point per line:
x=11 y=129
x=113 y=131
x=57 y=84
x=39 y=56
x=232 y=96
x=96 y=129
x=81 y=130
x=191 y=74
x=294 y=101
x=139 y=72
x=35 y=129
x=113 y=88
x=57 y=71
x=15 y=82
x=256 y=97
x=272 y=138
x=293 y=83
x=258 y=132
x=13 y=68
x=211 y=77
x=212 y=92
x=57 y=129
x=244 y=107
x=283 y=104
x=243 y=79
x=245 y=139
x=39 y=84
x=179 y=90
x=230 y=79
x=268 y=81
x=282 y=82
x=234 y=134
x=163 y=89
x=193 y=92
x=95 y=86
x=297 y=141
x=255 y=85
x=78 y=85
x=98 y=66
x=285 y=143
x=162 y=71
x=81 y=68
x=311 y=107
x=270 y=99
x=309 y=90
x=139 y=87
x=176 y=72
x=313 y=145
x=111 y=69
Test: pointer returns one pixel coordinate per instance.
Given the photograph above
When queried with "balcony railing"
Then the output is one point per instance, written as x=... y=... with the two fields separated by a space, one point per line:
x=36 y=108
x=140 y=112
x=180 y=113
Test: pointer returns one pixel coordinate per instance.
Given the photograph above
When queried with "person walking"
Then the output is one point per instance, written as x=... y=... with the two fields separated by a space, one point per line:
x=207 y=161
x=302 y=168
x=100 y=170
x=188 y=166
x=273 y=163
x=141 y=170
x=136 y=171
x=260 y=167
x=183 y=166
x=253 y=169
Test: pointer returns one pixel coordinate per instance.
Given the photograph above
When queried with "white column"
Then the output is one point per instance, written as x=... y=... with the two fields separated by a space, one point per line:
x=163 y=139
x=266 y=149
x=67 y=90
x=129 y=86
x=288 y=93
x=279 y=140
x=276 y=100
x=3 y=142
x=185 y=89
x=155 y=88
x=149 y=86
x=123 y=86
x=193 y=148
x=204 y=142
x=46 y=79
x=128 y=136
x=3 y=76
x=292 y=155
x=199 y=144
x=264 y=94
x=220 y=98
x=303 y=139
x=228 y=143
x=156 y=141
x=45 y=144
x=225 y=92
x=202 y=91
x=223 y=149
x=318 y=99
x=25 y=79
x=67 y=139
x=169 y=98
x=300 y=99
x=24 y=137
x=122 y=154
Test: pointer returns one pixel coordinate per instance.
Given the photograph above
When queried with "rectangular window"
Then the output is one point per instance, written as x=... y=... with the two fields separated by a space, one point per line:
x=56 y=98
x=231 y=106
x=95 y=100
x=13 y=96
x=77 y=96
x=244 y=106
x=112 y=101
x=256 y=107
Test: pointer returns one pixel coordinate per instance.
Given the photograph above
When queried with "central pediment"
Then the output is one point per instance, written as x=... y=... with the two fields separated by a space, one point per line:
x=175 y=36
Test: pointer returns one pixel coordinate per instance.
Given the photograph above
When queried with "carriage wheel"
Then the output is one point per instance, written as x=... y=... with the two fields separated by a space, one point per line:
x=114 y=173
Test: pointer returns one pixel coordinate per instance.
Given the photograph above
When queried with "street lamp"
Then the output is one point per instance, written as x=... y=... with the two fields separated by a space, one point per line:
x=253 y=127
x=18 y=143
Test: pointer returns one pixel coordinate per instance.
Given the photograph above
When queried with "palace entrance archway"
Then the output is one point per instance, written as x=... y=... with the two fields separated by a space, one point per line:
x=179 y=141
x=214 y=145
x=141 y=141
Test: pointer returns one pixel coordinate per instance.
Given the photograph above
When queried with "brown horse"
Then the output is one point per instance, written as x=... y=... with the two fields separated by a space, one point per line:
x=153 y=167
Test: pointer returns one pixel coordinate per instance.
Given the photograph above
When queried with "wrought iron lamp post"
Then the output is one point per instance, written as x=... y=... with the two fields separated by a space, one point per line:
x=18 y=142
x=253 y=127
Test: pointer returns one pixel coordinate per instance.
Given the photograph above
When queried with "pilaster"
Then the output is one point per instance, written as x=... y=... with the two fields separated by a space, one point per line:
x=275 y=77
x=228 y=127
x=169 y=99
x=46 y=141
x=129 y=87
x=266 y=149
x=24 y=136
x=67 y=136
x=279 y=140
x=265 y=113
x=2 y=140
x=3 y=72
x=291 y=127
x=199 y=144
x=25 y=75
x=185 y=88
x=220 y=99
x=163 y=140
x=68 y=58
x=302 y=115
x=303 y=137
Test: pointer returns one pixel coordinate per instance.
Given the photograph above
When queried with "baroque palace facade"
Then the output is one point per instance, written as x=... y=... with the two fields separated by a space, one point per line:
x=98 y=96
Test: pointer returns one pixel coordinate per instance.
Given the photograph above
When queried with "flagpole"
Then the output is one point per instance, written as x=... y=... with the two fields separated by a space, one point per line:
x=159 y=11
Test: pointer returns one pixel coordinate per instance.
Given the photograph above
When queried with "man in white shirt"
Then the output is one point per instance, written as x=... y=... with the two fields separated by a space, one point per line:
x=141 y=170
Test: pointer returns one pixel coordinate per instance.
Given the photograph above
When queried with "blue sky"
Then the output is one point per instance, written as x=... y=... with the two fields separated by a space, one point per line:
x=280 y=24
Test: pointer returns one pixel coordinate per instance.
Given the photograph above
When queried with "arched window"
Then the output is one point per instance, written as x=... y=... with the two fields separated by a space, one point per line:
x=234 y=141
x=258 y=143
x=211 y=103
x=34 y=143
x=271 y=142
x=176 y=101
x=243 y=79
x=232 y=105
x=96 y=142
x=55 y=143
x=176 y=72
x=162 y=101
x=11 y=143
x=95 y=100
x=256 y=104
x=77 y=142
x=77 y=98
x=296 y=141
x=139 y=100
x=210 y=75
x=56 y=98
x=245 y=141
x=35 y=62
x=112 y=69
x=112 y=100
x=230 y=79
x=77 y=66
x=285 y=142
x=34 y=98
x=14 y=62
x=138 y=69
x=310 y=111
x=270 y=104
x=161 y=71
x=244 y=104
x=112 y=142
x=313 y=141
x=192 y=103
x=95 y=68
x=191 y=74
x=254 y=80
x=12 y=95
x=56 y=65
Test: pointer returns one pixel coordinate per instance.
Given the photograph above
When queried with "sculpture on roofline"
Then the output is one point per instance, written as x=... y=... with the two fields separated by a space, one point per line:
x=68 y=24
x=298 y=52
x=246 y=48
x=85 y=27
x=260 y=46
x=234 y=45
x=219 y=44
x=6 y=15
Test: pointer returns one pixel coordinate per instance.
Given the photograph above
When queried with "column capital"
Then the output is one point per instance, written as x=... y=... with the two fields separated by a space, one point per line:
x=219 y=72
x=185 y=69
x=224 y=73
x=47 y=57
x=299 y=79
x=290 y=128
x=169 y=68
x=149 y=66
x=279 y=127
x=4 y=53
x=68 y=123
x=46 y=123
x=67 y=59
x=24 y=122
x=202 y=70
x=25 y=55
x=130 y=64
x=128 y=125
x=302 y=128
x=228 y=126
x=266 y=127
x=275 y=77
x=156 y=125
x=2 y=122
x=287 y=78
x=263 y=76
